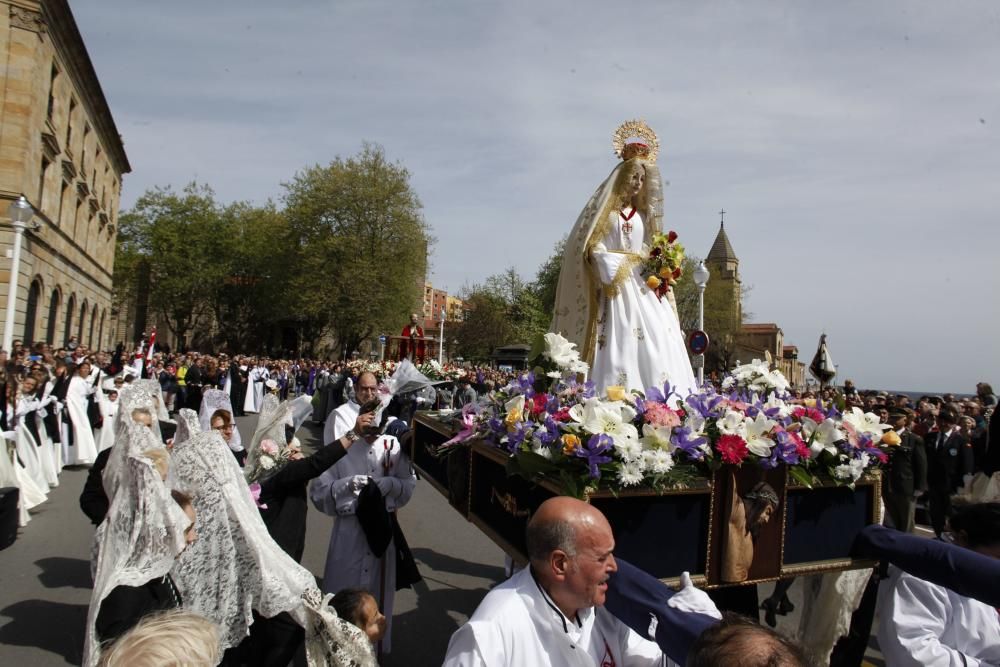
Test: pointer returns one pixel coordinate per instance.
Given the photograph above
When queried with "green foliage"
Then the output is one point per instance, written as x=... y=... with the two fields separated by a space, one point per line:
x=177 y=237
x=360 y=245
x=346 y=256
x=503 y=310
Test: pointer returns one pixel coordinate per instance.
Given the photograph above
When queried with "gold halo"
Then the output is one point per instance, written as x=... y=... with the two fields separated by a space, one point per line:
x=632 y=129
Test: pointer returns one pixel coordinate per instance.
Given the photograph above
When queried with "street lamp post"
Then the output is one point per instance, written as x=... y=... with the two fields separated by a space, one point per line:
x=20 y=213
x=701 y=275
x=441 y=340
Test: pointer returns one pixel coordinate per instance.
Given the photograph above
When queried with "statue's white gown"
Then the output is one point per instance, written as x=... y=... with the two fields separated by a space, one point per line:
x=639 y=340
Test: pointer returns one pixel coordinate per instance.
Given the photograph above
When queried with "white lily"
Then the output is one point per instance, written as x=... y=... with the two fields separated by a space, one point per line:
x=732 y=423
x=564 y=353
x=656 y=437
x=613 y=419
x=821 y=436
x=776 y=403
x=757 y=432
x=865 y=422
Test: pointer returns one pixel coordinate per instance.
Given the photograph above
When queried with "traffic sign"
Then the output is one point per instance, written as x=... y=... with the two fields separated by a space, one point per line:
x=698 y=342
x=383 y=338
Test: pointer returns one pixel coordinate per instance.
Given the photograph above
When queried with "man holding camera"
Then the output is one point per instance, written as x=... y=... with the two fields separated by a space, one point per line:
x=373 y=459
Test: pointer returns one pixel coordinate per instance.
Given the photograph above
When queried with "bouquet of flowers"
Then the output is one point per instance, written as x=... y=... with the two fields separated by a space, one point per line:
x=663 y=266
x=567 y=434
x=270 y=459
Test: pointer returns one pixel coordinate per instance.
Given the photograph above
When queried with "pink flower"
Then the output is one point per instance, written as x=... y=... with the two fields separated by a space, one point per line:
x=268 y=446
x=659 y=414
x=732 y=448
x=255 y=494
x=811 y=413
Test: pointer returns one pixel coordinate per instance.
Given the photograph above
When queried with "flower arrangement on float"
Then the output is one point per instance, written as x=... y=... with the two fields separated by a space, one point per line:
x=557 y=428
x=662 y=267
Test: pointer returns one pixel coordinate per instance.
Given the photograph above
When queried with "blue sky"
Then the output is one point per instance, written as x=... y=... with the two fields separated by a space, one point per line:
x=854 y=145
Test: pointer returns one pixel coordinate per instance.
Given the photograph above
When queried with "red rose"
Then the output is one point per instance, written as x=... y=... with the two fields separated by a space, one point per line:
x=655 y=252
x=562 y=415
x=677 y=272
x=538 y=406
x=732 y=448
x=672 y=236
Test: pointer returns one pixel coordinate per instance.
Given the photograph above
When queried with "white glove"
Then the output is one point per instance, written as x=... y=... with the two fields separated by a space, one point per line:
x=422 y=401
x=387 y=485
x=689 y=598
x=10 y=435
x=358 y=482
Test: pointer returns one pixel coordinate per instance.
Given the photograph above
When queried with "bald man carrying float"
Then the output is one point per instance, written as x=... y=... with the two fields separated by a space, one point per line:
x=552 y=613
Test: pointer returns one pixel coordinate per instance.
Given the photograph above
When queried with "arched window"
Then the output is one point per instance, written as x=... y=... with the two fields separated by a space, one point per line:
x=96 y=344
x=100 y=331
x=50 y=330
x=31 y=312
x=83 y=319
x=70 y=310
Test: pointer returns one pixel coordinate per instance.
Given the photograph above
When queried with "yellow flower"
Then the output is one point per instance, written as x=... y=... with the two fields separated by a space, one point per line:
x=616 y=392
x=665 y=272
x=570 y=443
x=652 y=282
x=513 y=416
x=891 y=438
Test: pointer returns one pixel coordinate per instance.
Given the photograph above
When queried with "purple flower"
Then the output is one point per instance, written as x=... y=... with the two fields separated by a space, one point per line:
x=703 y=403
x=686 y=441
x=595 y=453
x=517 y=436
x=549 y=433
x=552 y=405
x=784 y=451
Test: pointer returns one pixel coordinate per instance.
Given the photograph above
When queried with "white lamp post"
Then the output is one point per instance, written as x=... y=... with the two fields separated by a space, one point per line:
x=441 y=340
x=20 y=213
x=701 y=275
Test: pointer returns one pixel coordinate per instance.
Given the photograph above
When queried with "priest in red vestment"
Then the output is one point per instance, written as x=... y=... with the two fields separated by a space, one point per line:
x=412 y=346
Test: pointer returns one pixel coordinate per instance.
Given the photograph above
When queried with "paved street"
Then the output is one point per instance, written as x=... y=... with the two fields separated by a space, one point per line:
x=45 y=577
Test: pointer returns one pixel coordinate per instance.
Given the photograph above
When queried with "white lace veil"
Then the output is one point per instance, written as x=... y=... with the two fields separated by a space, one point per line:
x=142 y=534
x=235 y=566
x=136 y=396
x=188 y=425
x=216 y=399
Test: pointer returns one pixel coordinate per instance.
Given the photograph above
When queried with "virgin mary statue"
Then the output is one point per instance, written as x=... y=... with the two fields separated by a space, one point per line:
x=628 y=335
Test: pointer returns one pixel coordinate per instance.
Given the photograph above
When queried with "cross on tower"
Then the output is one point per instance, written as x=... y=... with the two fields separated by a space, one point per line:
x=723 y=214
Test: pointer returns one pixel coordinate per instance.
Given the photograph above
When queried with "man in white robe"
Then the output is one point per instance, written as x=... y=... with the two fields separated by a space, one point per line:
x=342 y=420
x=84 y=449
x=255 y=389
x=349 y=561
x=925 y=625
x=551 y=613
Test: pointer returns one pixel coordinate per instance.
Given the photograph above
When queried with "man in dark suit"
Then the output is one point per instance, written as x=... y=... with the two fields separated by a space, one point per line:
x=949 y=457
x=907 y=472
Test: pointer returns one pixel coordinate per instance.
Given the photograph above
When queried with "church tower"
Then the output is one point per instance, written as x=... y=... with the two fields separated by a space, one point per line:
x=725 y=266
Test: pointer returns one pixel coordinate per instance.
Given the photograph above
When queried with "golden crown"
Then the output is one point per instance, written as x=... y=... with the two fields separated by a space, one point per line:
x=635 y=139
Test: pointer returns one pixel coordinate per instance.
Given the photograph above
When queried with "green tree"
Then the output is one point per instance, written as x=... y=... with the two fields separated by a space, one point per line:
x=547 y=278
x=251 y=299
x=177 y=238
x=503 y=310
x=361 y=245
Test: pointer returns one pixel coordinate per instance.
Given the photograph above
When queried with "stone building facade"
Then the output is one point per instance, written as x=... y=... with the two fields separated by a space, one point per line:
x=59 y=147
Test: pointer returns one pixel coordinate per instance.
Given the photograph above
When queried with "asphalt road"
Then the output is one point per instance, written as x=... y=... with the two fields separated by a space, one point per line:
x=45 y=576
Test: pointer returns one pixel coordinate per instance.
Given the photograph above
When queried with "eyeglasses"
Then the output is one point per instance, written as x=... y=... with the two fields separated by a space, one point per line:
x=370 y=390
x=223 y=427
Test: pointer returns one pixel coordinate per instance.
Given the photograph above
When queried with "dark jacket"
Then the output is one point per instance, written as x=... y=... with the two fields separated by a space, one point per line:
x=125 y=606
x=947 y=462
x=93 y=500
x=284 y=493
x=907 y=470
